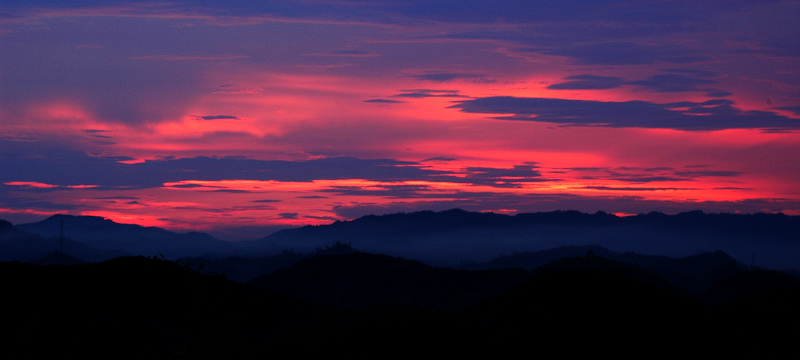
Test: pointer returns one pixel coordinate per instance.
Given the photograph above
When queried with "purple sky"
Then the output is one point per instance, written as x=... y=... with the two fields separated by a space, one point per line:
x=190 y=115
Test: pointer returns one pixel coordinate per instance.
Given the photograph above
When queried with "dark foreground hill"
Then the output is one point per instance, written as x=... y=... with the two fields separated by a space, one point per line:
x=146 y=308
x=694 y=273
x=137 y=307
x=362 y=280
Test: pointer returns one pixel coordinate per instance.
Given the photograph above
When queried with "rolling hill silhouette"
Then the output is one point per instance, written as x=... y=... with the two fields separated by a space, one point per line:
x=448 y=238
x=382 y=306
x=105 y=234
x=24 y=246
x=362 y=280
x=147 y=308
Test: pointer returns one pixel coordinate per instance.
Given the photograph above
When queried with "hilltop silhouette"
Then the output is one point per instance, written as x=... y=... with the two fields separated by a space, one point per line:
x=25 y=246
x=448 y=238
x=362 y=280
x=360 y=305
x=105 y=234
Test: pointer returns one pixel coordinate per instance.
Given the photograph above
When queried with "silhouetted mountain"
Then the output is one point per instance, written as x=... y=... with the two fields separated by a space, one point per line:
x=748 y=284
x=5 y=226
x=530 y=260
x=17 y=245
x=244 y=269
x=134 y=239
x=151 y=309
x=591 y=305
x=58 y=259
x=362 y=280
x=455 y=236
x=585 y=305
x=694 y=273
x=451 y=237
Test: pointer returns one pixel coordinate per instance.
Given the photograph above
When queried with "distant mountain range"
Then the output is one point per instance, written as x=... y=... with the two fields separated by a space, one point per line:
x=452 y=237
x=25 y=246
x=103 y=234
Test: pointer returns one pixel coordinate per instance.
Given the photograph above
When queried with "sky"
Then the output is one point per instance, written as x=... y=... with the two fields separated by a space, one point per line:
x=237 y=119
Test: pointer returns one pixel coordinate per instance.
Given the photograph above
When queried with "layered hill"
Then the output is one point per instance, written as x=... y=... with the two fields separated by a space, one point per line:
x=105 y=234
x=454 y=236
x=20 y=245
x=448 y=238
x=381 y=306
x=137 y=307
x=362 y=280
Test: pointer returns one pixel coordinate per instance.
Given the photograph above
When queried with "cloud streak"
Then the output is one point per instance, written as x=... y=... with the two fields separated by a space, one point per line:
x=690 y=116
x=673 y=83
x=588 y=82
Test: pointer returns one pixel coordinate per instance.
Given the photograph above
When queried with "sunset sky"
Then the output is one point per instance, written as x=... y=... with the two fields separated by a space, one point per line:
x=192 y=116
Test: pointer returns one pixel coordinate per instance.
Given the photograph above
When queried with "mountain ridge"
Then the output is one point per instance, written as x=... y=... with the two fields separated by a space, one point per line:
x=453 y=236
x=456 y=236
x=134 y=239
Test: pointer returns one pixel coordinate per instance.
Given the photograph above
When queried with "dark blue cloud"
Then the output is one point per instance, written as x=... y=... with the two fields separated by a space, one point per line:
x=784 y=47
x=504 y=177
x=288 y=215
x=426 y=93
x=33 y=162
x=794 y=109
x=673 y=83
x=610 y=53
x=714 y=114
x=692 y=72
x=648 y=175
x=588 y=82
x=696 y=174
x=188 y=186
x=219 y=117
x=394 y=191
x=656 y=15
